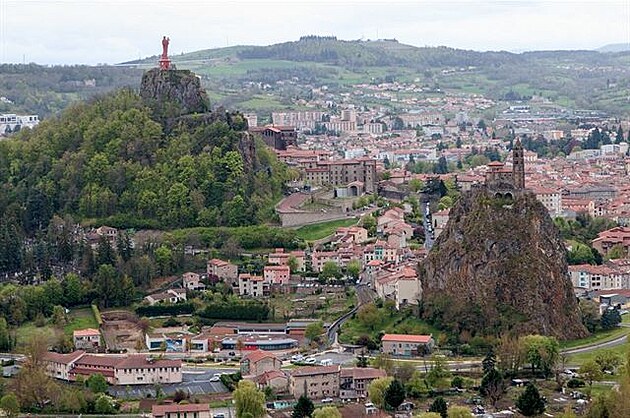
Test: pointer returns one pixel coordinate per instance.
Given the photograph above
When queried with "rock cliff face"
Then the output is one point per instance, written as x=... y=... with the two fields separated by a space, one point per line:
x=173 y=93
x=499 y=267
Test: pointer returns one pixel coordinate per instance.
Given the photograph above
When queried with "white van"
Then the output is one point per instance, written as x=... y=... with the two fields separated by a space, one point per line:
x=326 y=362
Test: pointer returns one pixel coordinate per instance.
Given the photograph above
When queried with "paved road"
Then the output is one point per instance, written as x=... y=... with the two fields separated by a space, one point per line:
x=607 y=344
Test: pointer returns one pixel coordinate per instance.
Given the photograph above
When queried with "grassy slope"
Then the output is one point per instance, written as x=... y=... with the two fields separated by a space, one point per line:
x=322 y=230
x=77 y=319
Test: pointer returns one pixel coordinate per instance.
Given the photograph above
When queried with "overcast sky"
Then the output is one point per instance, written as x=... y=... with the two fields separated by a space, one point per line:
x=101 y=31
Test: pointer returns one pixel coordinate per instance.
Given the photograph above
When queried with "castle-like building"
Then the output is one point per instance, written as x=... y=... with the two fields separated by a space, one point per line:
x=503 y=182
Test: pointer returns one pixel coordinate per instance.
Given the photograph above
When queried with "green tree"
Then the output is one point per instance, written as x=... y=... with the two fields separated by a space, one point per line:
x=590 y=314
x=330 y=270
x=492 y=386
x=529 y=402
x=304 y=408
x=59 y=318
x=428 y=415
x=163 y=259
x=541 y=352
x=104 y=405
x=96 y=383
x=415 y=185
x=107 y=284
x=591 y=372
x=314 y=331
x=439 y=405
x=489 y=362
x=354 y=268
x=327 y=412
x=608 y=360
x=6 y=341
x=377 y=390
x=610 y=319
x=369 y=223
x=445 y=202
x=10 y=405
x=438 y=372
x=72 y=290
x=369 y=316
x=395 y=394
x=249 y=401
x=292 y=262
x=105 y=253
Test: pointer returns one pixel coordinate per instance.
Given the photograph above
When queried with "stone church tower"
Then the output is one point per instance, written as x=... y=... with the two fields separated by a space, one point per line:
x=518 y=165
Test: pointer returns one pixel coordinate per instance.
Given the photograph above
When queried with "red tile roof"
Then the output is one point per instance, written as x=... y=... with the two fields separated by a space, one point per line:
x=88 y=332
x=139 y=361
x=63 y=358
x=421 y=339
x=258 y=355
x=315 y=370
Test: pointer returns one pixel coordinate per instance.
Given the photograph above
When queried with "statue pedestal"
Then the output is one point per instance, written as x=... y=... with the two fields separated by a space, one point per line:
x=165 y=63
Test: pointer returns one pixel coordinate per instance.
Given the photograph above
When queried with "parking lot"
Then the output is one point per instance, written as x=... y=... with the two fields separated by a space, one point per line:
x=195 y=382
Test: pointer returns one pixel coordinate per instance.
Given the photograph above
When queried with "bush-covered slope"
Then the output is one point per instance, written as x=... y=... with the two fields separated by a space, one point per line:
x=107 y=160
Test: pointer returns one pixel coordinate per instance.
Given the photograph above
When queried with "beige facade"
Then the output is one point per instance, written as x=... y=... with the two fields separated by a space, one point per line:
x=120 y=370
x=86 y=339
x=407 y=345
x=354 y=382
x=259 y=362
x=252 y=286
x=315 y=382
x=140 y=370
x=192 y=281
x=223 y=270
x=277 y=274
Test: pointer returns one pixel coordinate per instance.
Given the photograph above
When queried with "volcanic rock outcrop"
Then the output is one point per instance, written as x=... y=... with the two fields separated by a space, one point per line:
x=499 y=267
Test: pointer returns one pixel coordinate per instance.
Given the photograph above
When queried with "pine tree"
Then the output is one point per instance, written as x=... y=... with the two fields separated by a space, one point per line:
x=439 y=406
x=489 y=362
x=304 y=408
x=395 y=394
x=529 y=402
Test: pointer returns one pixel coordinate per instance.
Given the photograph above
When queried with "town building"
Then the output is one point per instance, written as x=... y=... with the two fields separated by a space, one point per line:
x=259 y=362
x=88 y=339
x=343 y=172
x=315 y=382
x=170 y=296
x=278 y=275
x=137 y=369
x=175 y=410
x=253 y=286
x=354 y=382
x=615 y=237
x=224 y=270
x=192 y=281
x=281 y=258
x=277 y=137
x=407 y=345
x=10 y=122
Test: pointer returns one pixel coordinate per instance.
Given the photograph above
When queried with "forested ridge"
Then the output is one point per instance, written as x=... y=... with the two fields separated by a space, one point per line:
x=107 y=161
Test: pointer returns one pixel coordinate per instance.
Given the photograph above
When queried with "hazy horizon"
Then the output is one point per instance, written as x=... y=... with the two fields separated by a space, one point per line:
x=87 y=32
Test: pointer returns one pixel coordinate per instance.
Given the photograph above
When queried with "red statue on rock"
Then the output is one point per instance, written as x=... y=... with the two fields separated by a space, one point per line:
x=165 y=62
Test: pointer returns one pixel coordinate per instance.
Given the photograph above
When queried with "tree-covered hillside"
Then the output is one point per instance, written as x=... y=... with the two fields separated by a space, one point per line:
x=46 y=90
x=107 y=161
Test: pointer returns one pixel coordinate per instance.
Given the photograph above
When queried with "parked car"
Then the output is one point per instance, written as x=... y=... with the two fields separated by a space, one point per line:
x=310 y=360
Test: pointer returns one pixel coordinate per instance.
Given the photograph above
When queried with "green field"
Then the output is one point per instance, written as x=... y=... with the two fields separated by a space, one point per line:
x=353 y=328
x=77 y=319
x=322 y=230
x=598 y=337
x=580 y=358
